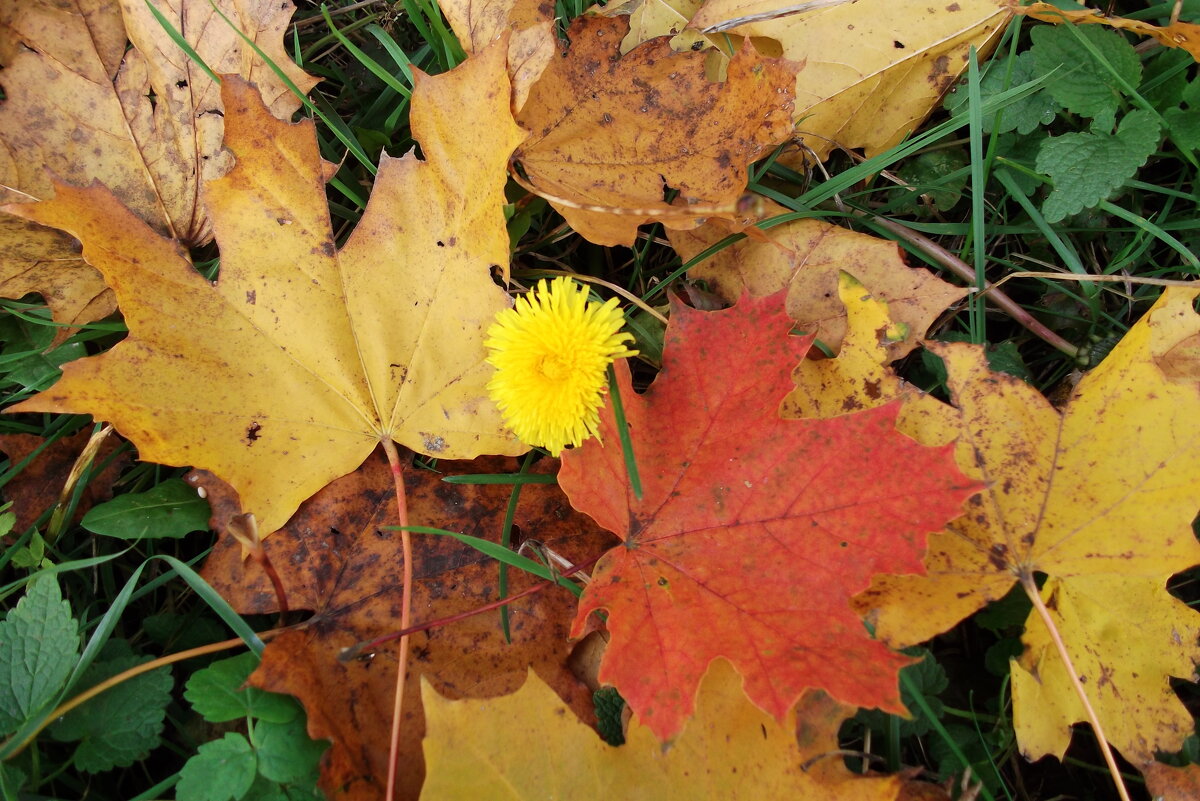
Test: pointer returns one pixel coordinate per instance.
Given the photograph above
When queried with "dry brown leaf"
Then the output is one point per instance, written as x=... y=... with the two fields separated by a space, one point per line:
x=873 y=69
x=1167 y=783
x=531 y=47
x=1184 y=35
x=611 y=134
x=146 y=122
x=336 y=560
x=806 y=256
x=40 y=484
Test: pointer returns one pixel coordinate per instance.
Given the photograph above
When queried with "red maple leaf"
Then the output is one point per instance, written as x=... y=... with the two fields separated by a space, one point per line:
x=753 y=531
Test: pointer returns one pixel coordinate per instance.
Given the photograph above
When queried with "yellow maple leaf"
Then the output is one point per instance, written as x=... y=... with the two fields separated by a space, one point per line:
x=1100 y=498
x=530 y=745
x=145 y=120
x=290 y=369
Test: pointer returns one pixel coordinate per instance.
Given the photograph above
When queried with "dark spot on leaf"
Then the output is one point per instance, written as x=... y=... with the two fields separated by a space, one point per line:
x=181 y=84
x=844 y=544
x=432 y=443
x=662 y=581
x=252 y=434
x=898 y=45
x=997 y=554
x=251 y=295
x=441 y=244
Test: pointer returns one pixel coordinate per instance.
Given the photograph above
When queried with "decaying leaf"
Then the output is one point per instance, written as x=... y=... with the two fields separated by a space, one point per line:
x=873 y=69
x=610 y=134
x=145 y=121
x=1100 y=498
x=1184 y=35
x=1167 y=783
x=477 y=23
x=335 y=559
x=528 y=746
x=805 y=256
x=749 y=548
x=39 y=485
x=287 y=372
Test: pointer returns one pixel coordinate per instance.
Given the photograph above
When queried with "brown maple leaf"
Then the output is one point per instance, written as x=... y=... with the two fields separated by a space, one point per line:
x=336 y=559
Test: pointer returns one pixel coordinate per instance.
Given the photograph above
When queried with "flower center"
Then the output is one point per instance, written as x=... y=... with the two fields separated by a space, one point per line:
x=557 y=367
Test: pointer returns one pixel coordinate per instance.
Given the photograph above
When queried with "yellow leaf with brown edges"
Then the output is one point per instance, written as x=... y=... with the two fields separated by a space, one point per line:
x=529 y=745
x=1184 y=35
x=610 y=134
x=1100 y=498
x=145 y=121
x=293 y=367
x=873 y=69
x=805 y=256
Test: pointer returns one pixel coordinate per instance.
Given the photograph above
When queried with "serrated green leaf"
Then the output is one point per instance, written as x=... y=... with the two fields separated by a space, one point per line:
x=217 y=694
x=929 y=678
x=1025 y=115
x=926 y=174
x=122 y=724
x=286 y=754
x=171 y=509
x=39 y=645
x=223 y=770
x=1082 y=84
x=1185 y=126
x=1086 y=168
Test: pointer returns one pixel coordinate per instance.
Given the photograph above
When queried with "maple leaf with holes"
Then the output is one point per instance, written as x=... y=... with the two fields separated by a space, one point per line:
x=753 y=531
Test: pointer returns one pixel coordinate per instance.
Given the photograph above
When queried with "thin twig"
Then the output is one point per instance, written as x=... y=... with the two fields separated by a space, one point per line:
x=369 y=646
x=1035 y=596
x=405 y=612
x=960 y=268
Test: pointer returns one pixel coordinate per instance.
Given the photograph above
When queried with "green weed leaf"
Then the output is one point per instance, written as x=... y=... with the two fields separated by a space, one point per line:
x=222 y=770
x=1082 y=84
x=217 y=694
x=927 y=677
x=171 y=509
x=1088 y=167
x=1024 y=115
x=39 y=645
x=122 y=724
x=285 y=752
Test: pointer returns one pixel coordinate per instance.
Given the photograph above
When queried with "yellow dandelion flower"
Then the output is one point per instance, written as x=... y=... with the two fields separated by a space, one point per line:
x=551 y=353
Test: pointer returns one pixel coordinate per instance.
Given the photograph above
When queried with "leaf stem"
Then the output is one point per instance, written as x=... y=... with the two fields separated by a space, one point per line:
x=1035 y=596
x=369 y=646
x=393 y=458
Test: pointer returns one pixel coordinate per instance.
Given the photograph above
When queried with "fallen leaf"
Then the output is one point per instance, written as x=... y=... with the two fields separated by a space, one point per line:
x=610 y=134
x=336 y=560
x=145 y=121
x=39 y=485
x=651 y=18
x=805 y=256
x=873 y=69
x=749 y=548
x=531 y=47
x=1167 y=783
x=528 y=746
x=1184 y=35
x=1100 y=498
x=287 y=372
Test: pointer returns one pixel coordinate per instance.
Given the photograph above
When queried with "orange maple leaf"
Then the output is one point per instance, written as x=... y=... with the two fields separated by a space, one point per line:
x=753 y=532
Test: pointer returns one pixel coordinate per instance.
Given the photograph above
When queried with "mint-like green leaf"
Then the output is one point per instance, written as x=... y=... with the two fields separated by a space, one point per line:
x=1185 y=127
x=1088 y=167
x=222 y=770
x=1025 y=115
x=39 y=645
x=171 y=509
x=216 y=692
x=930 y=679
x=286 y=754
x=1082 y=84
x=122 y=724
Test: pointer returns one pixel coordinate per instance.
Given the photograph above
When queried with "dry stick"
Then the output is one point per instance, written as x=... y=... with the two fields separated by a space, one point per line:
x=964 y=271
x=137 y=670
x=405 y=611
x=1035 y=596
